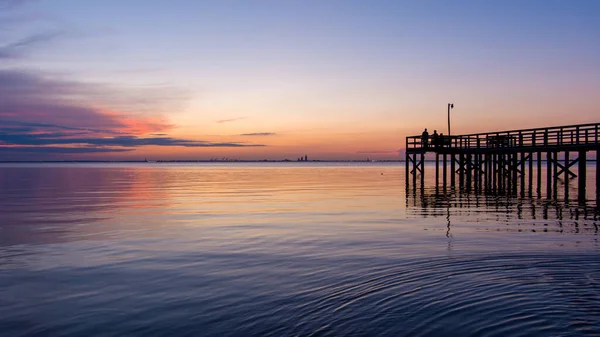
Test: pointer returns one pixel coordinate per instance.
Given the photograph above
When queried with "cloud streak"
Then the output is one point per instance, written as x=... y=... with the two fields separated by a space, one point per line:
x=258 y=134
x=58 y=150
x=9 y=4
x=230 y=120
x=121 y=141
x=378 y=152
x=15 y=49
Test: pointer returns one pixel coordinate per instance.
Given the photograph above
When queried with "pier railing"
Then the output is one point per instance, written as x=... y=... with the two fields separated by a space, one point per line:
x=557 y=136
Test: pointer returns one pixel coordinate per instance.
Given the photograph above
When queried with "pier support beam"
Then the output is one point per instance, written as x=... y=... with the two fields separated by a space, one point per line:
x=523 y=158
x=539 y=174
x=469 y=169
x=555 y=174
x=581 y=175
x=566 y=176
x=494 y=166
x=515 y=171
x=597 y=176
x=500 y=176
x=461 y=170
x=437 y=169
x=549 y=174
x=445 y=171
x=530 y=174
x=452 y=169
x=407 y=169
x=422 y=169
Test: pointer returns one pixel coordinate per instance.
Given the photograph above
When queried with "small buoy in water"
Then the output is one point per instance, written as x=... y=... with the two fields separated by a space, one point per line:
x=381 y=173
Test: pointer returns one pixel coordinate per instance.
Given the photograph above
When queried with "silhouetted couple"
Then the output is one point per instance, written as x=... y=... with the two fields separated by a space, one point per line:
x=436 y=140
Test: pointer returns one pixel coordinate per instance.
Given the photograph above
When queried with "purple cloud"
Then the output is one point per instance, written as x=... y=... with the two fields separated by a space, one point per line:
x=39 y=111
x=45 y=139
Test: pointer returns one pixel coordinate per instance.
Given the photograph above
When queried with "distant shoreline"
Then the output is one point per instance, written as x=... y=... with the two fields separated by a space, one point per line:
x=206 y=161
x=196 y=161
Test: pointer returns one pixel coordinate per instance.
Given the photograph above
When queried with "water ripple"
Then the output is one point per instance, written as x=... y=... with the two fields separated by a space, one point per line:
x=325 y=250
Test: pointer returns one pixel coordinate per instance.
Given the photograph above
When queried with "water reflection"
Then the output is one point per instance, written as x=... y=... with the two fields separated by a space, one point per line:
x=504 y=210
x=60 y=203
x=45 y=204
x=285 y=250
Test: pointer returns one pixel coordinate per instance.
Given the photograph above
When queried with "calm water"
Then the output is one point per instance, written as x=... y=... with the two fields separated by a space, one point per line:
x=287 y=250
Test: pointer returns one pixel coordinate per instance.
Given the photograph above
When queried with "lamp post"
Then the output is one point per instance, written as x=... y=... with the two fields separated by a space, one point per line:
x=450 y=106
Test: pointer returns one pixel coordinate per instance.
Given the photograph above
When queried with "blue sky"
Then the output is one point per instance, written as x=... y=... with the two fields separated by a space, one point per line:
x=332 y=78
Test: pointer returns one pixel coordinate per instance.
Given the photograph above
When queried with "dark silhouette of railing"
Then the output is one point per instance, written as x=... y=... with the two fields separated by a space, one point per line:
x=580 y=136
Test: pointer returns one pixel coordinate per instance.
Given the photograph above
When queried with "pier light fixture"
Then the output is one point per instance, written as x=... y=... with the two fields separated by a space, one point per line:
x=450 y=106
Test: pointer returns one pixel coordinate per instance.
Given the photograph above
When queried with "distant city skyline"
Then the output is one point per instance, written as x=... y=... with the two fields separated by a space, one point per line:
x=253 y=80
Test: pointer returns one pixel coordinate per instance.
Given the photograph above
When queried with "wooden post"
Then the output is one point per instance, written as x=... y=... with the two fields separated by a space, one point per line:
x=496 y=177
x=414 y=170
x=480 y=169
x=422 y=168
x=445 y=170
x=492 y=164
x=515 y=168
x=437 y=169
x=407 y=169
x=549 y=174
x=514 y=163
x=522 y=174
x=597 y=175
x=555 y=174
x=461 y=170
x=452 y=169
x=505 y=171
x=582 y=170
x=469 y=168
x=566 y=176
x=475 y=169
x=530 y=174
x=486 y=178
x=539 y=174
x=500 y=171
x=506 y=177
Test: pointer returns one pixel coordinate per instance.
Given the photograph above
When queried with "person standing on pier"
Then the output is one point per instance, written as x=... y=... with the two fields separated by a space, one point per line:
x=435 y=139
x=425 y=139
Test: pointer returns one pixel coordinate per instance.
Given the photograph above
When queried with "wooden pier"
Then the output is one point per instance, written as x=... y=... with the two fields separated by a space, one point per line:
x=504 y=160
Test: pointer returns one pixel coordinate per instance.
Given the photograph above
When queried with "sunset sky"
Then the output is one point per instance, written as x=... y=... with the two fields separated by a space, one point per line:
x=192 y=79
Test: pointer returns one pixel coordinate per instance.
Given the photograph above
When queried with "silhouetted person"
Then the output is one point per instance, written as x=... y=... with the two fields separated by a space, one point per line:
x=435 y=139
x=441 y=140
x=425 y=138
x=305 y=157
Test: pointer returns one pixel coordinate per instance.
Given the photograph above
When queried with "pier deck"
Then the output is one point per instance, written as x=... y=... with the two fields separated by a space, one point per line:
x=496 y=160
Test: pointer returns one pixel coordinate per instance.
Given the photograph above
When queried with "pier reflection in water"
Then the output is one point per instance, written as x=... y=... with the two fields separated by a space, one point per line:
x=522 y=206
